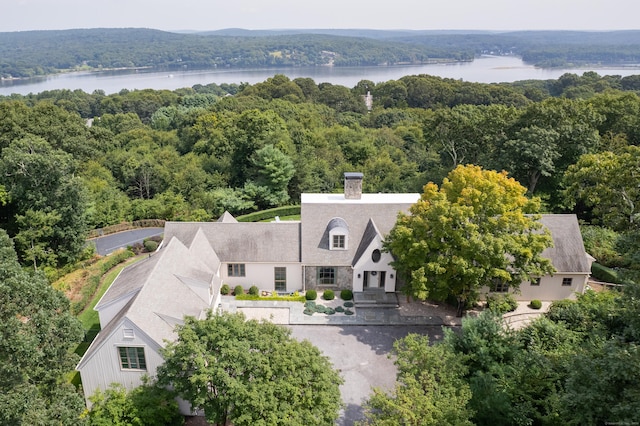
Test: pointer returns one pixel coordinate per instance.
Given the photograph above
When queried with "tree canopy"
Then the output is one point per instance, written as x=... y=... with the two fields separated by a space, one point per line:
x=250 y=373
x=37 y=336
x=475 y=230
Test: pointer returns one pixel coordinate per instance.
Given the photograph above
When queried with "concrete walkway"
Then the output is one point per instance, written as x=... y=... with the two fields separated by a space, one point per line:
x=389 y=310
x=292 y=313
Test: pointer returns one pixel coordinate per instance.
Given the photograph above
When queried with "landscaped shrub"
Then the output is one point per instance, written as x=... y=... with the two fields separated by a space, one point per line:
x=225 y=289
x=535 y=304
x=150 y=245
x=311 y=295
x=308 y=311
x=238 y=290
x=348 y=312
x=346 y=294
x=328 y=295
x=329 y=311
x=339 y=309
x=254 y=290
x=310 y=304
x=501 y=303
x=348 y=304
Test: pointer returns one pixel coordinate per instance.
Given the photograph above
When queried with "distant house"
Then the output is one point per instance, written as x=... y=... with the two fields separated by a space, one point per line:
x=336 y=244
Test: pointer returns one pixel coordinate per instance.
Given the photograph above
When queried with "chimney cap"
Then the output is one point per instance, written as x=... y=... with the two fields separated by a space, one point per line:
x=353 y=175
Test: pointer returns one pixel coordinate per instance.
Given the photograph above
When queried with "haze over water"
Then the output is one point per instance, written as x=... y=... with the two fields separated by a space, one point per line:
x=489 y=69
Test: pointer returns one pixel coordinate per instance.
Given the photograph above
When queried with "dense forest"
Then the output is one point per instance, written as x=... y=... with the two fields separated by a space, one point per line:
x=31 y=53
x=73 y=161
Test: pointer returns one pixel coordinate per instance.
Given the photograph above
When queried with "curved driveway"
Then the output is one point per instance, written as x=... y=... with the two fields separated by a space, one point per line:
x=110 y=243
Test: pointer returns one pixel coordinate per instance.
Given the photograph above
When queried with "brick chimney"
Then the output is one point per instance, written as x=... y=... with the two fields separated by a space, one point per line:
x=352 y=186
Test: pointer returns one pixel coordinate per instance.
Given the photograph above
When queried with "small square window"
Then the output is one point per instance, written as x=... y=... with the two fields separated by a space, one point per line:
x=536 y=281
x=235 y=270
x=500 y=286
x=338 y=241
x=567 y=281
x=326 y=276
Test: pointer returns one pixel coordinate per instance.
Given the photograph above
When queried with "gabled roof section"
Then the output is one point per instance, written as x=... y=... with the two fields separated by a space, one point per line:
x=227 y=218
x=568 y=253
x=167 y=294
x=370 y=233
x=243 y=241
x=128 y=282
x=104 y=334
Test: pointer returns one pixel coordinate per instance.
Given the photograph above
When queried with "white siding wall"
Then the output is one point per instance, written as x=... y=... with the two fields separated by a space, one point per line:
x=550 y=288
x=262 y=276
x=366 y=264
x=107 y=313
x=104 y=367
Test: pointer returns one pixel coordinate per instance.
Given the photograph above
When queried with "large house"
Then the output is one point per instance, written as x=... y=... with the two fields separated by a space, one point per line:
x=336 y=244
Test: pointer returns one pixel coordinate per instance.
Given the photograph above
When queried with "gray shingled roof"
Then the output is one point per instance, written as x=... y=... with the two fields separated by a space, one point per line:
x=568 y=253
x=317 y=211
x=129 y=281
x=227 y=218
x=176 y=278
x=370 y=234
x=244 y=241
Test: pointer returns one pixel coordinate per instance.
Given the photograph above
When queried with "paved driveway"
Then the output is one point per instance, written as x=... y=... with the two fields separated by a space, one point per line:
x=360 y=353
x=109 y=243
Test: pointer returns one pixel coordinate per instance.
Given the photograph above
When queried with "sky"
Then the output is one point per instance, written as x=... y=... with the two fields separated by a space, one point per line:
x=202 y=15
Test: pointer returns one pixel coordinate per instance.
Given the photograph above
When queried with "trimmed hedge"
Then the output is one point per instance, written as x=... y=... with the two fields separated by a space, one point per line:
x=605 y=274
x=269 y=214
x=328 y=295
x=535 y=304
x=311 y=295
x=254 y=290
x=238 y=290
x=287 y=298
x=346 y=294
x=225 y=289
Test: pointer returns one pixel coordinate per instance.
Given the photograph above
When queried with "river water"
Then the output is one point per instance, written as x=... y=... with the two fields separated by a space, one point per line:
x=487 y=69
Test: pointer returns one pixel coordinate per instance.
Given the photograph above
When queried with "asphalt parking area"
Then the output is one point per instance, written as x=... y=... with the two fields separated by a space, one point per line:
x=360 y=353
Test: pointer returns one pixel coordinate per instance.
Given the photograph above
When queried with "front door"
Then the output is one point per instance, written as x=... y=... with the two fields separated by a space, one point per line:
x=374 y=279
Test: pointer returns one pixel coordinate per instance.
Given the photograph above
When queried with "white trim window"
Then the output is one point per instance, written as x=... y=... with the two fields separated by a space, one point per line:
x=326 y=275
x=338 y=242
x=132 y=358
x=280 y=278
x=235 y=270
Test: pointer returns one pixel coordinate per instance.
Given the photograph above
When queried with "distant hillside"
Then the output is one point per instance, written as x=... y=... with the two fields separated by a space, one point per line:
x=30 y=53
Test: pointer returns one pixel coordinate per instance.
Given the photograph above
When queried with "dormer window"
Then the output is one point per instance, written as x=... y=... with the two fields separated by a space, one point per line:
x=338 y=234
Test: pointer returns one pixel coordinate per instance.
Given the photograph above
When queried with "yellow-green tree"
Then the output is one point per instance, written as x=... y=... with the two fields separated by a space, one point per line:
x=477 y=229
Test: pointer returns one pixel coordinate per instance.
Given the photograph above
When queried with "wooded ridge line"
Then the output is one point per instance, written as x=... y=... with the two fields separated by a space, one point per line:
x=30 y=53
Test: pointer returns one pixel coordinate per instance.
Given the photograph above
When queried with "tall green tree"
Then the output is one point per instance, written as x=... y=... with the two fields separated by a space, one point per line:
x=430 y=388
x=41 y=180
x=471 y=232
x=148 y=404
x=37 y=337
x=250 y=373
x=607 y=183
